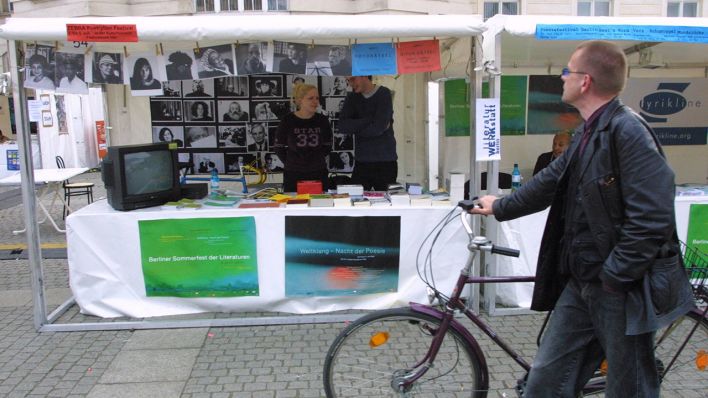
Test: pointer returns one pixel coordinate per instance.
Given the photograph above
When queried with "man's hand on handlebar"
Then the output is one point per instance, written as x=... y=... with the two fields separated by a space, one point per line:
x=485 y=205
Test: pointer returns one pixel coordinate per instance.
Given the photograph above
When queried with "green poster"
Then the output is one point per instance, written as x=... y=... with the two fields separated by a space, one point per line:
x=457 y=108
x=697 y=234
x=199 y=257
x=513 y=105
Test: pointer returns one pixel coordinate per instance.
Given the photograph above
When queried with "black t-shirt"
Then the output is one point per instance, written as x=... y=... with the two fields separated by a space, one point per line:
x=303 y=143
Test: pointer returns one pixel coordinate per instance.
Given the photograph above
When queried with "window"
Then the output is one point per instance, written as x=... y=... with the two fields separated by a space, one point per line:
x=239 y=5
x=594 y=8
x=5 y=7
x=682 y=9
x=491 y=8
x=277 y=5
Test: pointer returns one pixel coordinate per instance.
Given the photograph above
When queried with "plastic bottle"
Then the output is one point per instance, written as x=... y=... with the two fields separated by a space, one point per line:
x=214 y=180
x=515 y=178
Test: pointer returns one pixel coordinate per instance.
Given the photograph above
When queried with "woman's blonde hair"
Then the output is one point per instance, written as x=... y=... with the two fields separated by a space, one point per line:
x=299 y=92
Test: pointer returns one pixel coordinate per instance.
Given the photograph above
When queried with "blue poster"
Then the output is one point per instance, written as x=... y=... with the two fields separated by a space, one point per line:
x=13 y=159
x=341 y=256
x=684 y=34
x=374 y=59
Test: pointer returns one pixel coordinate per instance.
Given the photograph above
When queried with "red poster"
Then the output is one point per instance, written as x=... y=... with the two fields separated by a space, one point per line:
x=101 y=138
x=418 y=56
x=101 y=33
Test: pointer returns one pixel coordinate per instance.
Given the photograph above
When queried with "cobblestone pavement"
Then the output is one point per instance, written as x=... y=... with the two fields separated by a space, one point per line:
x=253 y=361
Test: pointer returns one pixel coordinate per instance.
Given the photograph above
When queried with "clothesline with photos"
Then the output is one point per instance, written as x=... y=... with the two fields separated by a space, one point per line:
x=70 y=69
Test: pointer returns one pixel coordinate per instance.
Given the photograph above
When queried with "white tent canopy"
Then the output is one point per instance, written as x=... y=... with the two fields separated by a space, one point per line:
x=257 y=27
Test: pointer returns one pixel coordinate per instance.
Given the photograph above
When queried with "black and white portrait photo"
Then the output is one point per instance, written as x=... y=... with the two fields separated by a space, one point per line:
x=335 y=86
x=234 y=86
x=206 y=162
x=252 y=58
x=39 y=67
x=269 y=110
x=267 y=86
x=171 y=88
x=333 y=106
x=199 y=111
x=233 y=110
x=215 y=61
x=166 y=110
x=145 y=77
x=237 y=159
x=69 y=76
x=180 y=65
x=325 y=60
x=272 y=162
x=200 y=137
x=233 y=136
x=168 y=134
x=289 y=57
x=257 y=139
x=341 y=161
x=107 y=68
x=198 y=88
x=293 y=80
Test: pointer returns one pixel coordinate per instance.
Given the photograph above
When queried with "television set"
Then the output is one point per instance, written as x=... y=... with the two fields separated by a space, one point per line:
x=138 y=176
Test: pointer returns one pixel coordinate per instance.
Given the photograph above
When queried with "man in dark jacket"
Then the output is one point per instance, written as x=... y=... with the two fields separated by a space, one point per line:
x=367 y=114
x=610 y=229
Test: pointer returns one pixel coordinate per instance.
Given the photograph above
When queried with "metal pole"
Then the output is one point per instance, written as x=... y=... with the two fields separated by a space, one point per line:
x=29 y=203
x=475 y=92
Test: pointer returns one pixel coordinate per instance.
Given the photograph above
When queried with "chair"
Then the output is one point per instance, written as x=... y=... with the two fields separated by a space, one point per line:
x=74 y=189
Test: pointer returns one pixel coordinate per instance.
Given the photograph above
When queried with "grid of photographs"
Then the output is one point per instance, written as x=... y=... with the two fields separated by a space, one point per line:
x=230 y=121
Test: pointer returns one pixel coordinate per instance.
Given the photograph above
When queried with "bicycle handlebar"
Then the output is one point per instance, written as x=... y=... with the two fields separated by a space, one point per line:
x=481 y=242
x=505 y=251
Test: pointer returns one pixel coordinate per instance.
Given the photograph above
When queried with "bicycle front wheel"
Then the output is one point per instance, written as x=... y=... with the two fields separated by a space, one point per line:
x=688 y=376
x=371 y=356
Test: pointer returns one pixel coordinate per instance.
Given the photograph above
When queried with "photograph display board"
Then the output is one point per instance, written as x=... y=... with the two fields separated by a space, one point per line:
x=223 y=122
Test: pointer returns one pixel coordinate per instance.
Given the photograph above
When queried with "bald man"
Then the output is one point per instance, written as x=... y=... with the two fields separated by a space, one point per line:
x=560 y=143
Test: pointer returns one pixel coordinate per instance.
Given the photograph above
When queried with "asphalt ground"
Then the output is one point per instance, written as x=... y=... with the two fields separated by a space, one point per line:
x=245 y=361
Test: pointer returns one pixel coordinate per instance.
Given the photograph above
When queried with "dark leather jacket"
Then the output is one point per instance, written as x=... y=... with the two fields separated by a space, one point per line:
x=629 y=205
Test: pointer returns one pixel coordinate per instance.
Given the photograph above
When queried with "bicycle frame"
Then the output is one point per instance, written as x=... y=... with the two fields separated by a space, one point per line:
x=454 y=303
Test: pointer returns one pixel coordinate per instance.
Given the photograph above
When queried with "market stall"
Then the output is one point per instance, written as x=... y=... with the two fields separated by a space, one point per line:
x=144 y=33
x=656 y=47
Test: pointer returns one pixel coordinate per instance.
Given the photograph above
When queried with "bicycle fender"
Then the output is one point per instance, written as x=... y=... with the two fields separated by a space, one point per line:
x=457 y=326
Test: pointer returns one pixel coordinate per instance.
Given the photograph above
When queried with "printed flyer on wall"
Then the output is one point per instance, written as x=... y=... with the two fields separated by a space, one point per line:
x=199 y=257
x=341 y=256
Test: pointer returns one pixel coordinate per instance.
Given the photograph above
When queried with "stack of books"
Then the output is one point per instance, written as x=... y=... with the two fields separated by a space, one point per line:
x=323 y=200
x=182 y=204
x=257 y=204
x=414 y=188
x=219 y=200
x=295 y=202
x=351 y=189
x=399 y=199
x=341 y=200
x=379 y=202
x=360 y=201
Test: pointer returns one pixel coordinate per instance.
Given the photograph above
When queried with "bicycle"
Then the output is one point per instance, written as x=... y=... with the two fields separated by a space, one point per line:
x=423 y=351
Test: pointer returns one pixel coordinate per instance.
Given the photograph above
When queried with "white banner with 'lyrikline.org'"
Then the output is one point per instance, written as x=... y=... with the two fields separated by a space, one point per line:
x=674 y=107
x=487 y=131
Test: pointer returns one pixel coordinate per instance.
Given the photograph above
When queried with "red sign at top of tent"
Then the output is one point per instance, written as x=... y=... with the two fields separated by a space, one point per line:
x=418 y=56
x=101 y=33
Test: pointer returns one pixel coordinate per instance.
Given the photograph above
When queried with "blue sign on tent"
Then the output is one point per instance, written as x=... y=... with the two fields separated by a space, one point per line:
x=661 y=33
x=374 y=59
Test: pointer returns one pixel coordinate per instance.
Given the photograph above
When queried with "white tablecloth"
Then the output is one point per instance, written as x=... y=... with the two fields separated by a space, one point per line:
x=525 y=234
x=107 y=280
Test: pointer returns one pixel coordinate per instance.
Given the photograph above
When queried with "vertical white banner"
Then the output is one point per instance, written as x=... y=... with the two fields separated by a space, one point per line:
x=487 y=132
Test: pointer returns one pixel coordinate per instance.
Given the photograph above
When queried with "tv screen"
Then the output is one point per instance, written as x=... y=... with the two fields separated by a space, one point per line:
x=138 y=176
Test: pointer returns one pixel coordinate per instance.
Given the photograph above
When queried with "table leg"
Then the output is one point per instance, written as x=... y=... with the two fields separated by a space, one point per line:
x=40 y=193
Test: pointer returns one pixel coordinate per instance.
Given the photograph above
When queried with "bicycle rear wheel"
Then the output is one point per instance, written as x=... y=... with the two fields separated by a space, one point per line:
x=688 y=376
x=367 y=358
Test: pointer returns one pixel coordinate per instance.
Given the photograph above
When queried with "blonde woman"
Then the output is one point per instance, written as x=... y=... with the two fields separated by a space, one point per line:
x=303 y=140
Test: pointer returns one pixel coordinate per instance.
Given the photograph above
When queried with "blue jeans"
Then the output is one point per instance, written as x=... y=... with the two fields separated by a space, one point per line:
x=587 y=325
